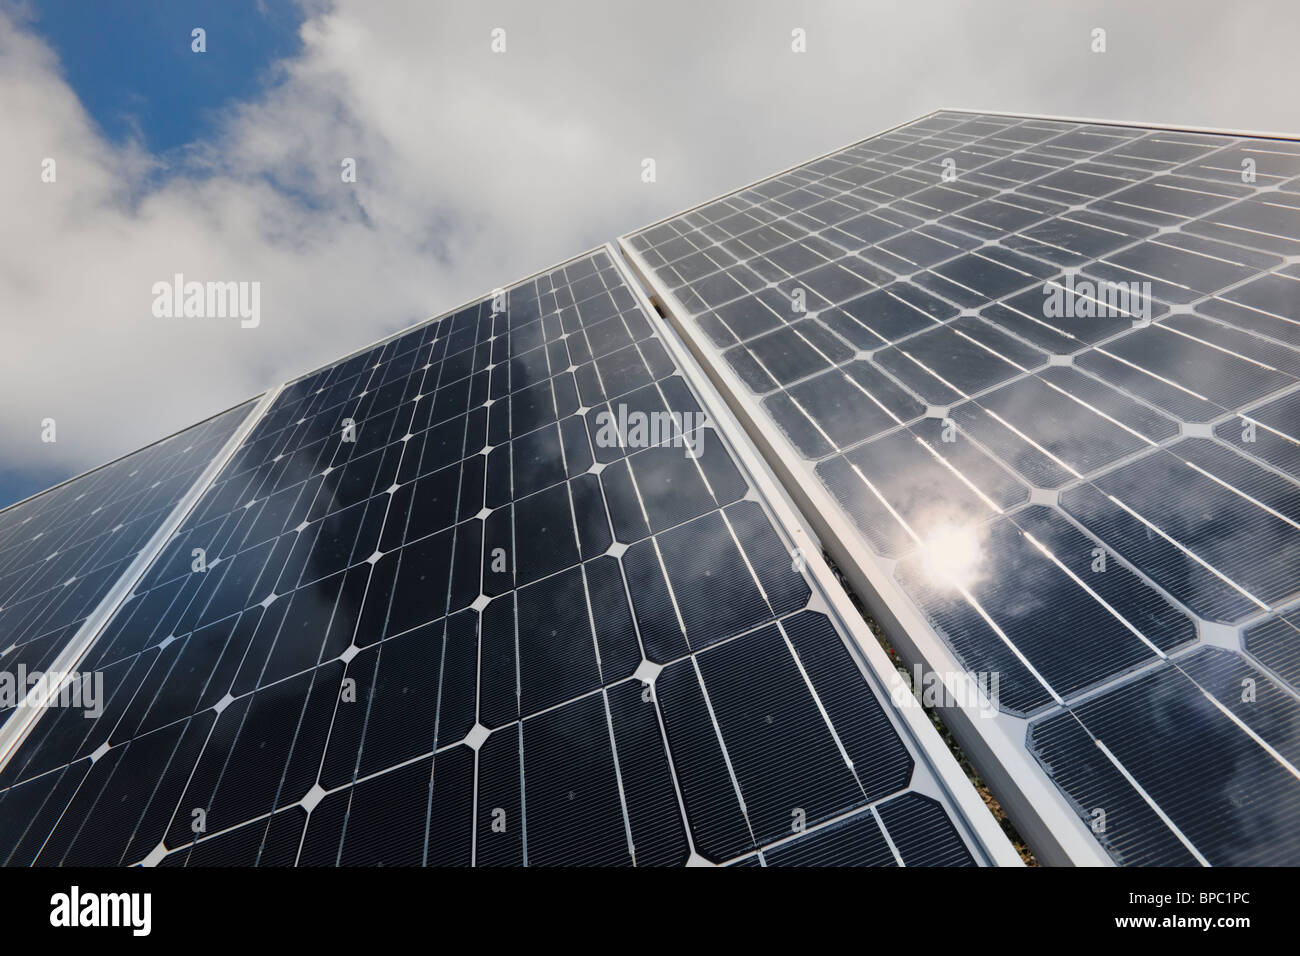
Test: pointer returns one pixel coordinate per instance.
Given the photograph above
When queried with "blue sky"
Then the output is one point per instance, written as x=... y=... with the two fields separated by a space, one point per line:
x=474 y=169
x=136 y=75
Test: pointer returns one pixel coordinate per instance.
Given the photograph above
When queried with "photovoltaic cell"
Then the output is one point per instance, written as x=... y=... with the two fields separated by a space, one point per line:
x=1046 y=375
x=446 y=605
x=1241 y=809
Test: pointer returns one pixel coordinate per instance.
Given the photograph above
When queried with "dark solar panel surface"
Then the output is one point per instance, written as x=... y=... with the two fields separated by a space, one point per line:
x=1075 y=485
x=62 y=551
x=427 y=615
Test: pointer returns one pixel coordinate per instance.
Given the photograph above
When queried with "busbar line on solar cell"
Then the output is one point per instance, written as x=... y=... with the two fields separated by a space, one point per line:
x=1241 y=494
x=1267 y=641
x=332 y=561
x=898 y=859
x=1110 y=609
x=1122 y=205
x=1147 y=798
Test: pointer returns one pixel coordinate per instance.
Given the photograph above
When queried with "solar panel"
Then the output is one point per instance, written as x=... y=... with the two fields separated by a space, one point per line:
x=499 y=590
x=62 y=551
x=1036 y=383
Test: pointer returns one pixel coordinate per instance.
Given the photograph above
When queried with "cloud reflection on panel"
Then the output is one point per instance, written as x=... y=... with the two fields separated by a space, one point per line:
x=900 y=487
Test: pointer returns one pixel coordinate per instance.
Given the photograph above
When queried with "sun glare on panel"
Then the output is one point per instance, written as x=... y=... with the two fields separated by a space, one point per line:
x=953 y=555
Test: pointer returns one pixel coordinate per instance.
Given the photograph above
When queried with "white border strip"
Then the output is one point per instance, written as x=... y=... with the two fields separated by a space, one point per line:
x=24 y=718
x=928 y=747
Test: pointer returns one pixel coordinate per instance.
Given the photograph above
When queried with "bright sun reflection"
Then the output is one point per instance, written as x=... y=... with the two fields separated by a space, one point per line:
x=952 y=555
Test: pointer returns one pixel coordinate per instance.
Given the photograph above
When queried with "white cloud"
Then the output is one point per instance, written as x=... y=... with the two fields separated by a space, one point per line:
x=476 y=169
